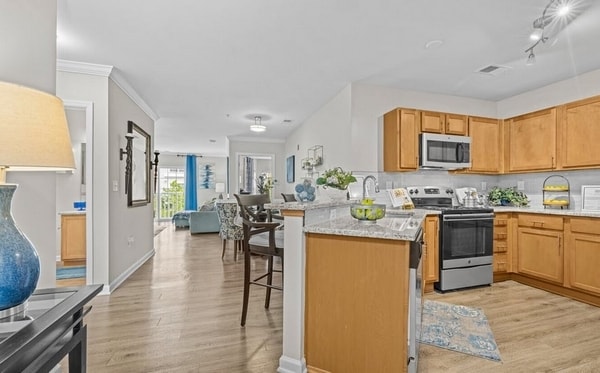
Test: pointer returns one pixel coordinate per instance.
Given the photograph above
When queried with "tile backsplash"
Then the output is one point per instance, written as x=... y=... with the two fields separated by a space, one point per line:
x=532 y=182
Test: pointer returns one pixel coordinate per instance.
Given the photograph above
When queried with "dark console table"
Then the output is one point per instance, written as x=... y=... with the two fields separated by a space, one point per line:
x=50 y=327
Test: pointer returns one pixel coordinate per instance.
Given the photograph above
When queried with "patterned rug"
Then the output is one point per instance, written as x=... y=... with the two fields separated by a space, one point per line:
x=70 y=272
x=458 y=328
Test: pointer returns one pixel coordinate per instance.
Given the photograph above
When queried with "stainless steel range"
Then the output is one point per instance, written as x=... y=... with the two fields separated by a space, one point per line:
x=466 y=238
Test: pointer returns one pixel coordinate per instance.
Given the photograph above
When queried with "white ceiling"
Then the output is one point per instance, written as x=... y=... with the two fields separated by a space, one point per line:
x=206 y=68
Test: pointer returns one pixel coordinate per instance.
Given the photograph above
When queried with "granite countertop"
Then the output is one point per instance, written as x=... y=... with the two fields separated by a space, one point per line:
x=281 y=205
x=548 y=211
x=395 y=226
x=73 y=212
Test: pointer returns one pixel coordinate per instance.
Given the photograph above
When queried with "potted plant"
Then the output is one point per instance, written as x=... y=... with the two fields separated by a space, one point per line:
x=336 y=178
x=507 y=197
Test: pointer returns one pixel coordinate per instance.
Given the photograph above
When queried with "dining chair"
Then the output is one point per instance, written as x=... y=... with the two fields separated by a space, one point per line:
x=228 y=229
x=288 y=197
x=262 y=236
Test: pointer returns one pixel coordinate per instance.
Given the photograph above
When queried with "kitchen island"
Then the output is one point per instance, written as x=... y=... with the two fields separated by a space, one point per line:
x=327 y=251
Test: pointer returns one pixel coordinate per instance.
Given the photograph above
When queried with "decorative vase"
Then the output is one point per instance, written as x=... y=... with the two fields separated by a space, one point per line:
x=19 y=261
x=335 y=194
x=305 y=190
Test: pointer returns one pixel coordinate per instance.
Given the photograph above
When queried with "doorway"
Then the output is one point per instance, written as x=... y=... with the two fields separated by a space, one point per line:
x=249 y=167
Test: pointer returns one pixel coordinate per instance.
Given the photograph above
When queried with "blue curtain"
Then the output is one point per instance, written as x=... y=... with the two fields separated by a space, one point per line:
x=191 y=187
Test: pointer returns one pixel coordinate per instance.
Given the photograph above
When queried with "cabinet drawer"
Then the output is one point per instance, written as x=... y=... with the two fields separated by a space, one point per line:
x=500 y=262
x=585 y=225
x=541 y=221
x=501 y=220
x=500 y=246
x=500 y=233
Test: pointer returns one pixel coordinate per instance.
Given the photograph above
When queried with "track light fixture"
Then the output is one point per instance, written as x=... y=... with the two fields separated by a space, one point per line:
x=554 y=10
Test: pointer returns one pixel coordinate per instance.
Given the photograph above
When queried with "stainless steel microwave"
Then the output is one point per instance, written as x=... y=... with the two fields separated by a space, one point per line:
x=447 y=152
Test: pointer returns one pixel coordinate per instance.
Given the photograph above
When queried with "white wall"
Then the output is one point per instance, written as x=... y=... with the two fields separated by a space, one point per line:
x=28 y=49
x=94 y=88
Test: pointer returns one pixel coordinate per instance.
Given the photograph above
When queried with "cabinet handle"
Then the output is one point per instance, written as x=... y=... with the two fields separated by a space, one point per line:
x=558 y=237
x=553 y=165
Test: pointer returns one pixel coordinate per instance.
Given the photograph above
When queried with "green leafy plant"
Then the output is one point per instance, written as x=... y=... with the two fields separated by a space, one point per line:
x=336 y=178
x=265 y=183
x=507 y=196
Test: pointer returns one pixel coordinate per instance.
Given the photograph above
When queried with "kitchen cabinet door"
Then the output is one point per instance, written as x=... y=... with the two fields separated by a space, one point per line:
x=450 y=124
x=72 y=235
x=400 y=140
x=540 y=254
x=501 y=243
x=486 y=145
x=532 y=142
x=431 y=261
x=583 y=255
x=580 y=137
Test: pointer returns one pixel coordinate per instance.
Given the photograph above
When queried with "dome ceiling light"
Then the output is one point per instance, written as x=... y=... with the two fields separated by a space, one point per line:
x=258 y=126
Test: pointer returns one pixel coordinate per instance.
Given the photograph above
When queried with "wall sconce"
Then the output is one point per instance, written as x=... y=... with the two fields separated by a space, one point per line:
x=128 y=153
x=155 y=165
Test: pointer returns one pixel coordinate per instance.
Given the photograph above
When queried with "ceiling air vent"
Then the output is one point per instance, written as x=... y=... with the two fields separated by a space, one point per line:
x=494 y=70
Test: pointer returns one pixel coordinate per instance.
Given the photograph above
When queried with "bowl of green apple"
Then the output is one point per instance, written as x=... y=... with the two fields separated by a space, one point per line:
x=367 y=211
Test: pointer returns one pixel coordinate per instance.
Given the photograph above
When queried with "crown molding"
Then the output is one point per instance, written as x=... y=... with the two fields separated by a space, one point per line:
x=110 y=72
x=119 y=80
x=83 y=68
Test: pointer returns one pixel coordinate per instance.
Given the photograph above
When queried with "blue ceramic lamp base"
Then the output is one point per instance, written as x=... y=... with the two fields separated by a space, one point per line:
x=19 y=261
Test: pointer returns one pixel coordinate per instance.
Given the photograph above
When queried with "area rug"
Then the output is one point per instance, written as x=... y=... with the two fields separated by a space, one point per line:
x=458 y=328
x=70 y=272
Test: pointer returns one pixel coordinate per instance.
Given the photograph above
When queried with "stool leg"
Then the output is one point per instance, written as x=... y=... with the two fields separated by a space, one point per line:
x=269 y=281
x=224 y=246
x=246 y=285
x=235 y=249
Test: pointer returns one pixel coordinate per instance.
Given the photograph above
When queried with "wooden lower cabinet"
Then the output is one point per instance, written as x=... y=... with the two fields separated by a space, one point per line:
x=540 y=253
x=583 y=255
x=72 y=238
x=431 y=252
x=356 y=304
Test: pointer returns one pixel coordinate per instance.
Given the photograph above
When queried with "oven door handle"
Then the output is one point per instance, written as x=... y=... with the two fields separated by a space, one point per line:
x=467 y=217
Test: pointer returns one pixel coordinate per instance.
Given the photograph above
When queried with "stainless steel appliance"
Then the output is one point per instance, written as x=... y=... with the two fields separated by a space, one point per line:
x=444 y=151
x=466 y=238
x=415 y=302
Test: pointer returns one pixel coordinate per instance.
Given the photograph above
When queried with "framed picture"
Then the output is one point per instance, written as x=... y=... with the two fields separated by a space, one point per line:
x=289 y=167
x=590 y=197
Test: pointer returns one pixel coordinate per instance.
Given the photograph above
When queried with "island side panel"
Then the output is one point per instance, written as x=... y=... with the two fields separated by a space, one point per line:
x=356 y=306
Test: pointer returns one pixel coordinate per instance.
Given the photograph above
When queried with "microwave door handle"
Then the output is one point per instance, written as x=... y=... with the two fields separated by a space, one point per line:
x=460 y=152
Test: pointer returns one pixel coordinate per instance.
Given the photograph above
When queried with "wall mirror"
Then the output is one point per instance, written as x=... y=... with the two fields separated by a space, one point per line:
x=140 y=166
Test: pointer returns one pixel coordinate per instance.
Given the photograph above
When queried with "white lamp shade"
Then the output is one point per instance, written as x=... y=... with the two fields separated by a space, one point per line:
x=219 y=187
x=35 y=133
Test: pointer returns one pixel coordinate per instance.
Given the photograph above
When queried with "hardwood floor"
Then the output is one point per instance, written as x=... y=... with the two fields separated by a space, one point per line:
x=180 y=312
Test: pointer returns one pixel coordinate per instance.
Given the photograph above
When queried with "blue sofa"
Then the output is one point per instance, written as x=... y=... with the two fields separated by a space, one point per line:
x=204 y=222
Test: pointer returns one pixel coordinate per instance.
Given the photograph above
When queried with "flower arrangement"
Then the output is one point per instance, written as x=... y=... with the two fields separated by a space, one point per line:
x=336 y=178
x=507 y=196
x=264 y=183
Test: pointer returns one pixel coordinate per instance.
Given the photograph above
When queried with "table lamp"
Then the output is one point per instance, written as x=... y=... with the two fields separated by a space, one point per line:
x=220 y=188
x=34 y=136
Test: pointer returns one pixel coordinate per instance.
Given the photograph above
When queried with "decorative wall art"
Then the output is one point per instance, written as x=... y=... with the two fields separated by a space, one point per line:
x=289 y=167
x=206 y=176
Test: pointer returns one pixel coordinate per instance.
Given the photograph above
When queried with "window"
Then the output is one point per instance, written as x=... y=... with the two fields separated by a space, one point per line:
x=169 y=195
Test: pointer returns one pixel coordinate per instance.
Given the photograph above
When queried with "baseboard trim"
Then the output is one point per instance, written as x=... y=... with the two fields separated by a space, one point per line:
x=125 y=275
x=557 y=289
x=289 y=365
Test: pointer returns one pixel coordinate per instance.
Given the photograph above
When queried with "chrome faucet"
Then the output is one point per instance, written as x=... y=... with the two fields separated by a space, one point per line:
x=365 y=185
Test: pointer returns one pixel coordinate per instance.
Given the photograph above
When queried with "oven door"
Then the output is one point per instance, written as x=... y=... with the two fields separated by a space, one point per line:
x=466 y=239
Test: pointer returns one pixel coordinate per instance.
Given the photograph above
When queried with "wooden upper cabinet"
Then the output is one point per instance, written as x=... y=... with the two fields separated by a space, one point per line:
x=450 y=124
x=486 y=145
x=531 y=142
x=400 y=140
x=579 y=124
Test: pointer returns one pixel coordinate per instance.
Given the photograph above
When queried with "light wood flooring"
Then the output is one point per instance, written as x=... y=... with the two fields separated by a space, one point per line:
x=180 y=312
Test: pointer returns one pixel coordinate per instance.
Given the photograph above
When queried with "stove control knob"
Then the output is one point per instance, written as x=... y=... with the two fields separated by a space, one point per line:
x=410 y=191
x=416 y=191
x=449 y=191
